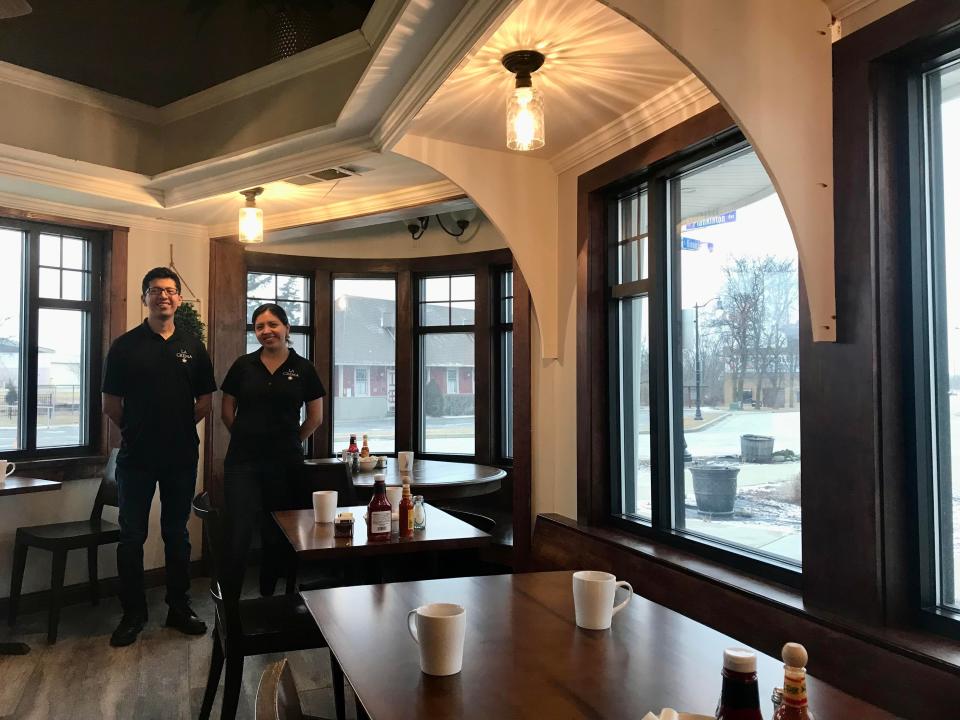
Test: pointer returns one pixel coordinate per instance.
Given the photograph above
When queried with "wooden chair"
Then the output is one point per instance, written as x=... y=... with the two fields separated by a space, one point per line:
x=61 y=538
x=251 y=626
x=277 y=696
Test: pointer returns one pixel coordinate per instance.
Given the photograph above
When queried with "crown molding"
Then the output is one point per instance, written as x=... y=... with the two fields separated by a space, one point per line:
x=675 y=99
x=75 y=92
x=291 y=161
x=381 y=16
x=107 y=217
x=328 y=53
x=472 y=26
x=33 y=166
x=440 y=191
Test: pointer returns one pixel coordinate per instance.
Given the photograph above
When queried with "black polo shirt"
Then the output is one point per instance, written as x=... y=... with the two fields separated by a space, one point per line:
x=159 y=381
x=267 y=423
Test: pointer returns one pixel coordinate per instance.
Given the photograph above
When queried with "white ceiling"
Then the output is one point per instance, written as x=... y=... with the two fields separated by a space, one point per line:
x=598 y=67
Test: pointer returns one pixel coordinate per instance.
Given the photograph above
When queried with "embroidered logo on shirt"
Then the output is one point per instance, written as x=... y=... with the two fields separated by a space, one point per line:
x=290 y=374
x=184 y=356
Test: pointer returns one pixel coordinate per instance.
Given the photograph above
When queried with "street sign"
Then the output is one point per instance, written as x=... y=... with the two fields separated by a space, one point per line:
x=712 y=220
x=687 y=243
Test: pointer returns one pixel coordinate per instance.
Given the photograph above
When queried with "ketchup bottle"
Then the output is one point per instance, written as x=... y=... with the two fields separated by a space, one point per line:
x=740 y=696
x=379 y=511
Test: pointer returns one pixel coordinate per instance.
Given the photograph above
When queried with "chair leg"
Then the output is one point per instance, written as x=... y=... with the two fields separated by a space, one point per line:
x=92 y=574
x=231 y=687
x=336 y=677
x=16 y=579
x=213 y=676
x=56 y=593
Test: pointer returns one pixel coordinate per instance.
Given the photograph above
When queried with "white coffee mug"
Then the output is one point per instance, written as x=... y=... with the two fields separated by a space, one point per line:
x=405 y=461
x=6 y=468
x=324 y=506
x=394 y=495
x=593 y=595
x=439 y=628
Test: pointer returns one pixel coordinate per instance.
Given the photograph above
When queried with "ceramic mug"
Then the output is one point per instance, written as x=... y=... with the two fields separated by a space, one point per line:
x=593 y=595
x=324 y=506
x=439 y=629
x=405 y=461
x=6 y=469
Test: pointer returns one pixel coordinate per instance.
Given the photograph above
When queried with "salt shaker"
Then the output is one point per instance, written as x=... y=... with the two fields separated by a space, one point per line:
x=419 y=513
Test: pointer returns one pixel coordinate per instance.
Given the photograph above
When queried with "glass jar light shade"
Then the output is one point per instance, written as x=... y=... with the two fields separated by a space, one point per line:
x=251 y=225
x=525 y=119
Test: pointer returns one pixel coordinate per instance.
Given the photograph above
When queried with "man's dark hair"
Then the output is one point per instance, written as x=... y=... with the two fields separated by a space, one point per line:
x=158 y=273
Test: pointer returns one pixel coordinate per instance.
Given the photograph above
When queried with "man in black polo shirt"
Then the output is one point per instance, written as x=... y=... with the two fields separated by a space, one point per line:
x=157 y=386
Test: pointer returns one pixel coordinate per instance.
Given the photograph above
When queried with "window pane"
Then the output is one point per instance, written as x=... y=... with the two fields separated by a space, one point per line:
x=634 y=406
x=461 y=313
x=50 y=250
x=364 y=362
x=296 y=312
x=251 y=306
x=291 y=287
x=261 y=285
x=632 y=238
x=74 y=285
x=435 y=288
x=506 y=394
x=74 y=253
x=446 y=393
x=62 y=378
x=435 y=314
x=49 y=283
x=462 y=287
x=11 y=359
x=944 y=183
x=738 y=349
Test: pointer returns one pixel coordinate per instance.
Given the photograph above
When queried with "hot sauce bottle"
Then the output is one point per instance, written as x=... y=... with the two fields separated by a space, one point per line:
x=353 y=444
x=379 y=512
x=365 y=450
x=740 y=696
x=793 y=705
x=406 y=513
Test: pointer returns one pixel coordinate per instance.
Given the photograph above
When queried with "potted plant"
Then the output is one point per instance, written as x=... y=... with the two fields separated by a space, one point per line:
x=715 y=487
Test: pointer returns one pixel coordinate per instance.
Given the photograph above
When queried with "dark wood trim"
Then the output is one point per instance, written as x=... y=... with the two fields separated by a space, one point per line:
x=323 y=442
x=920 y=674
x=305 y=264
x=484 y=384
x=521 y=474
x=406 y=369
x=57 y=220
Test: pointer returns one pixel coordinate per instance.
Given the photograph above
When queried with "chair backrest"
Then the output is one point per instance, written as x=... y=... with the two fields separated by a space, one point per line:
x=277 y=696
x=224 y=588
x=107 y=494
x=327 y=476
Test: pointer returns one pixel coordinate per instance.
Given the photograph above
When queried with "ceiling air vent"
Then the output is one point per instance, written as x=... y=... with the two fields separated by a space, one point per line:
x=327 y=175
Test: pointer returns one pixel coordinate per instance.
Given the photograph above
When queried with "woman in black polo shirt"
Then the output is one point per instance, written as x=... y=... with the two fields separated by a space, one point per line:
x=263 y=393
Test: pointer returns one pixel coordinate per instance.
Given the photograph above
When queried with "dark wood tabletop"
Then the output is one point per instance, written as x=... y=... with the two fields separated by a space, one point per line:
x=315 y=541
x=434 y=479
x=524 y=656
x=14 y=485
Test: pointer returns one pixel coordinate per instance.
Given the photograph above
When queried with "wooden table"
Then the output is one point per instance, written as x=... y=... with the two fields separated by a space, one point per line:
x=524 y=656
x=434 y=479
x=315 y=541
x=14 y=485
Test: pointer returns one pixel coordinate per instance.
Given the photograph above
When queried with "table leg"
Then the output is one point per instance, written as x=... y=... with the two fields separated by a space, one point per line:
x=336 y=677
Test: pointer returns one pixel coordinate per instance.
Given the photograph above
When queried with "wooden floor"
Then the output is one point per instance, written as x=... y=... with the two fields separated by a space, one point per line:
x=160 y=677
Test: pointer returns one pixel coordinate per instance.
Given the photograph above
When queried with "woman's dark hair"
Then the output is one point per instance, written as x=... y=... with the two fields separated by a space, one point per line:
x=273 y=309
x=156 y=274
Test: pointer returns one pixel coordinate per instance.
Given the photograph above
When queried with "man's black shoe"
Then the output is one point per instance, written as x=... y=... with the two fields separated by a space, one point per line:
x=186 y=621
x=130 y=626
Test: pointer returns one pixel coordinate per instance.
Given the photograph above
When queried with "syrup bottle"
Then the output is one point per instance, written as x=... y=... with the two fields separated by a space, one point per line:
x=406 y=513
x=379 y=512
x=740 y=695
x=793 y=705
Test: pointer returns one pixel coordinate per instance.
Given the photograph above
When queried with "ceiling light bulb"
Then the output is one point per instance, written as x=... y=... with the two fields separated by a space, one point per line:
x=525 y=119
x=250 y=222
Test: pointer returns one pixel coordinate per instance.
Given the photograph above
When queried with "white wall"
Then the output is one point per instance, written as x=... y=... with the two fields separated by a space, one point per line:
x=149 y=246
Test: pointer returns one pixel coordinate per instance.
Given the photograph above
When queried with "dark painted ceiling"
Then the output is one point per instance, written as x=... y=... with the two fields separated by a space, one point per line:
x=159 y=51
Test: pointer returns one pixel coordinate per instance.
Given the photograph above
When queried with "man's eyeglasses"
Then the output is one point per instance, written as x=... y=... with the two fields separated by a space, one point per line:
x=158 y=291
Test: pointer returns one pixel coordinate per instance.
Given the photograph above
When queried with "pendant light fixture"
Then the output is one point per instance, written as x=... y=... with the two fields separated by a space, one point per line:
x=251 y=218
x=525 y=104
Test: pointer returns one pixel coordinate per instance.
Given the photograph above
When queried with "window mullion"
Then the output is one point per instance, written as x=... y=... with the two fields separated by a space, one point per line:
x=31 y=334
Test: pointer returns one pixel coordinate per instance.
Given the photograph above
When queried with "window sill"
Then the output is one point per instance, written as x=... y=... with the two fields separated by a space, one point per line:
x=63 y=469
x=933 y=650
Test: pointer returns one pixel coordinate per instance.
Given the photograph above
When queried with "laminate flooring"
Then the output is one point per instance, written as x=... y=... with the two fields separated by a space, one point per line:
x=160 y=677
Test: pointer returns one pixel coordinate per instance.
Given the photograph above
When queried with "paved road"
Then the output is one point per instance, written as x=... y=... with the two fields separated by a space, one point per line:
x=723 y=437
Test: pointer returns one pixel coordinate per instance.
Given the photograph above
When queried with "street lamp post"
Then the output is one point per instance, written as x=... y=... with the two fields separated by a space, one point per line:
x=698 y=369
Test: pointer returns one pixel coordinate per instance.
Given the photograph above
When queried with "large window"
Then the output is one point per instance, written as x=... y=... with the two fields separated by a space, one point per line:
x=364 y=361
x=724 y=432
x=292 y=293
x=49 y=335
x=941 y=353
x=447 y=356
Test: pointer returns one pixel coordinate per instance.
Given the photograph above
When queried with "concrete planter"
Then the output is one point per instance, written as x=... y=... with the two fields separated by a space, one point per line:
x=715 y=487
x=756 y=448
